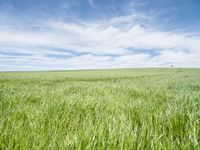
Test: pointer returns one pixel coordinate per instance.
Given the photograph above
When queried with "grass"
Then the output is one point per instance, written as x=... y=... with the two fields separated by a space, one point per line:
x=100 y=109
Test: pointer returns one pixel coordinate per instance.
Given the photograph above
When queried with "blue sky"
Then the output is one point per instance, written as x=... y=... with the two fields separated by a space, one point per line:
x=86 y=34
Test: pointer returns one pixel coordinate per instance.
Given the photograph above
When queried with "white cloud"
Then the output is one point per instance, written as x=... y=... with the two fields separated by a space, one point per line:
x=94 y=45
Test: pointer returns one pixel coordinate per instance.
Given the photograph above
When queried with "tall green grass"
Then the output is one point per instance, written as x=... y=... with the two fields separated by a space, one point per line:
x=100 y=109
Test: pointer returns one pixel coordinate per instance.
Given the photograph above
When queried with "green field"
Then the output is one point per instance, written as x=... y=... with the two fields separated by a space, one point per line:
x=100 y=109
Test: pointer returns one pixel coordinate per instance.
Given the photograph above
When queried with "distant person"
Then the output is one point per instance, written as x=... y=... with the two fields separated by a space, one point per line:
x=171 y=65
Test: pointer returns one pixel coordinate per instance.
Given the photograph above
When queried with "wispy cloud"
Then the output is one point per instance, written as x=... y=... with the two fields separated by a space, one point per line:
x=91 y=3
x=126 y=41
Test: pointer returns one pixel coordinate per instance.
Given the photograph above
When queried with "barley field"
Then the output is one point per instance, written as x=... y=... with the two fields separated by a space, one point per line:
x=100 y=109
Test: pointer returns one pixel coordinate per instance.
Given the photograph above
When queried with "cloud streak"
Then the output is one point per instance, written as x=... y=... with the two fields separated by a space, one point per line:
x=119 y=42
x=91 y=3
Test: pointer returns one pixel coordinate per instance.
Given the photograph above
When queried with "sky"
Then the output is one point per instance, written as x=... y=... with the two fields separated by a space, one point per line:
x=95 y=34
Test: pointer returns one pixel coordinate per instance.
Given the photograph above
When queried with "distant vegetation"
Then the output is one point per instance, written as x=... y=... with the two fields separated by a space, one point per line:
x=100 y=109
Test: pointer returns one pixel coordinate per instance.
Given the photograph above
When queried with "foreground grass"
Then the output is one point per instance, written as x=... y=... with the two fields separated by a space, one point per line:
x=101 y=109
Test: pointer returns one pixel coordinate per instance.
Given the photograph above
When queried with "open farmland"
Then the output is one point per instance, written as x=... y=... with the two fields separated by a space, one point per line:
x=100 y=109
